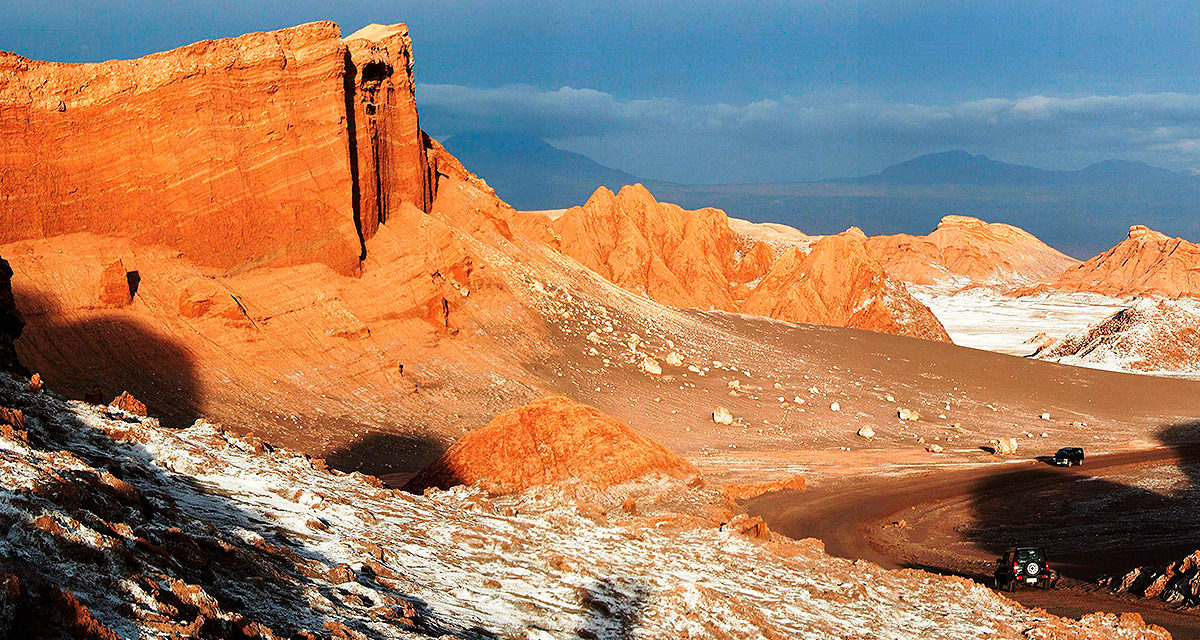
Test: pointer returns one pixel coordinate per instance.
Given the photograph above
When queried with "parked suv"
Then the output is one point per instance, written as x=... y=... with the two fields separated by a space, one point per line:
x=1023 y=565
x=1068 y=456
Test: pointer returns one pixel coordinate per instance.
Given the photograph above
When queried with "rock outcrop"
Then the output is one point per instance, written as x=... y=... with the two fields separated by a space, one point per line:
x=971 y=249
x=694 y=259
x=11 y=323
x=115 y=286
x=1158 y=336
x=550 y=441
x=271 y=148
x=1146 y=263
x=1177 y=583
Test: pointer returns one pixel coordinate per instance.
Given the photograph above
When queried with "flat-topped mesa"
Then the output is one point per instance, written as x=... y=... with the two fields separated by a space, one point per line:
x=1145 y=263
x=962 y=247
x=272 y=148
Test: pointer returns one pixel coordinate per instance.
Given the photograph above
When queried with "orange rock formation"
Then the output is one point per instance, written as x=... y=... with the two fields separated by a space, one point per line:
x=271 y=148
x=693 y=259
x=1146 y=263
x=970 y=248
x=550 y=441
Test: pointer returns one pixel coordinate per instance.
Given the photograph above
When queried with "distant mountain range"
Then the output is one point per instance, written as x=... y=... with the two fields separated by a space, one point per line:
x=1080 y=212
x=532 y=175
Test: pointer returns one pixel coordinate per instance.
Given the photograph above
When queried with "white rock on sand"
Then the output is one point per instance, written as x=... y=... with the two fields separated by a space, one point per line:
x=650 y=366
x=908 y=414
x=674 y=359
x=866 y=432
x=1005 y=446
x=835 y=407
x=722 y=416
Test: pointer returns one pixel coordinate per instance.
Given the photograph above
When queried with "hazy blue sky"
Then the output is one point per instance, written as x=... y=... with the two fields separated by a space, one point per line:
x=729 y=91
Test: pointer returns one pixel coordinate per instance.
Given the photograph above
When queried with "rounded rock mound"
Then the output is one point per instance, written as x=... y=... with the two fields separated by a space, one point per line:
x=546 y=442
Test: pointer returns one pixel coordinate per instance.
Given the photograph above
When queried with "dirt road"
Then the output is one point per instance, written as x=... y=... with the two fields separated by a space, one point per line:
x=958 y=522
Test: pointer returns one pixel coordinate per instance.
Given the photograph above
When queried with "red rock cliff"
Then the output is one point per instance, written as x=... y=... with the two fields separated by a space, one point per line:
x=269 y=148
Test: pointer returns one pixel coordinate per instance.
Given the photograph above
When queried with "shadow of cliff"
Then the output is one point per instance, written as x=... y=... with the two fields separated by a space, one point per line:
x=1091 y=526
x=164 y=535
x=384 y=454
x=95 y=352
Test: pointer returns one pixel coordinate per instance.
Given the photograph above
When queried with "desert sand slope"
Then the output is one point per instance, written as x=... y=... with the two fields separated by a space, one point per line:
x=202 y=534
x=969 y=248
x=694 y=259
x=1146 y=263
x=1151 y=336
x=262 y=149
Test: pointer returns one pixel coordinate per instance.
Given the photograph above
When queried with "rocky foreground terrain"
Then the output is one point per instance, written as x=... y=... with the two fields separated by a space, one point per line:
x=117 y=527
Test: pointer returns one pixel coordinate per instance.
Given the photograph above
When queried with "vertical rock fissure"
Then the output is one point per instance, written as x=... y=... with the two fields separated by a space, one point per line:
x=371 y=81
x=348 y=88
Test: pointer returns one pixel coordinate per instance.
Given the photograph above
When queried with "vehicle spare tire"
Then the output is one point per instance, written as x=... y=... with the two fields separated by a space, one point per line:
x=1031 y=569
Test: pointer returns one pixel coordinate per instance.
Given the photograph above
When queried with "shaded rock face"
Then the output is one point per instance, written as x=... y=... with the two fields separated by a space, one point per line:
x=1144 y=263
x=115 y=286
x=966 y=247
x=11 y=323
x=694 y=259
x=269 y=148
x=549 y=441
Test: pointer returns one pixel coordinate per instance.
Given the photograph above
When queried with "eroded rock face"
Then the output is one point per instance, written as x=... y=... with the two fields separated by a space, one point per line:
x=1162 y=336
x=1144 y=263
x=270 y=148
x=694 y=259
x=966 y=247
x=11 y=322
x=549 y=441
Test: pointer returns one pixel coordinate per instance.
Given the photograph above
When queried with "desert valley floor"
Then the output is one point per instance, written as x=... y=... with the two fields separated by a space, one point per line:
x=355 y=394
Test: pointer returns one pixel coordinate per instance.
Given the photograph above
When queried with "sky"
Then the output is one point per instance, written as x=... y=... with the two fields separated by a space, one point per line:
x=728 y=91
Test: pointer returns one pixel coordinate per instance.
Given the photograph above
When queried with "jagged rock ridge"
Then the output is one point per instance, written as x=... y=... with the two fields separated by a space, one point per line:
x=694 y=259
x=1145 y=263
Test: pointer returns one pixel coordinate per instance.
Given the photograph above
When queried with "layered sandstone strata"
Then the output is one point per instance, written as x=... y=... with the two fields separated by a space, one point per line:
x=962 y=247
x=271 y=148
x=694 y=259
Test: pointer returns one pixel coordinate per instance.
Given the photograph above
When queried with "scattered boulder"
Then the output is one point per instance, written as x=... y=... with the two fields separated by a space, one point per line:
x=934 y=448
x=115 y=289
x=1004 y=446
x=550 y=441
x=908 y=414
x=129 y=404
x=35 y=383
x=835 y=407
x=674 y=359
x=721 y=415
x=1044 y=416
x=651 y=367
x=866 y=432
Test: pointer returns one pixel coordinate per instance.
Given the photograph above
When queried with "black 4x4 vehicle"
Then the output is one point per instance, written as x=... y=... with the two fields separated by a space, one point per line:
x=1068 y=456
x=1023 y=565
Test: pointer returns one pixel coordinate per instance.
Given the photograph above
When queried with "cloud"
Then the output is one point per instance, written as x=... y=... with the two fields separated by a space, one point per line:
x=1156 y=127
